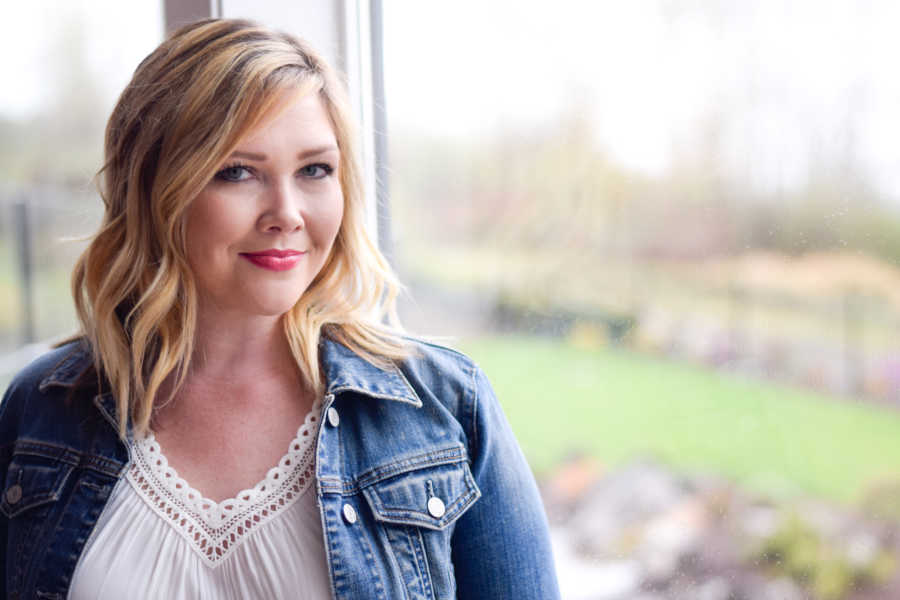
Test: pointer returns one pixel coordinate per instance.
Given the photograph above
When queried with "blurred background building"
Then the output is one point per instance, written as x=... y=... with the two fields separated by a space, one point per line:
x=669 y=230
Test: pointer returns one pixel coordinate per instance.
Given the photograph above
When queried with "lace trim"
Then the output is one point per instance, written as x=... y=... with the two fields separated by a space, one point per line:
x=215 y=529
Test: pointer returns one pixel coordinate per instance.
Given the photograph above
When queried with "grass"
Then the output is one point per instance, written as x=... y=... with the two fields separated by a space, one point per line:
x=616 y=405
x=562 y=279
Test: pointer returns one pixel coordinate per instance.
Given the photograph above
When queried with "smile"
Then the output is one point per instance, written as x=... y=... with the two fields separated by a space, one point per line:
x=274 y=260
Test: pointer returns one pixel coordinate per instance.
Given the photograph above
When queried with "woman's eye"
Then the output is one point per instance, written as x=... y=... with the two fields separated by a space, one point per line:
x=234 y=173
x=316 y=171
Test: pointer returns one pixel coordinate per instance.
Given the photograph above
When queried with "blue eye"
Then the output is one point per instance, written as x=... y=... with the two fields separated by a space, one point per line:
x=234 y=173
x=316 y=170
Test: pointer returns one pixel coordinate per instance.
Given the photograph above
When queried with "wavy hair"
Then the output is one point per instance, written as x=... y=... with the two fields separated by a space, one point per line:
x=186 y=108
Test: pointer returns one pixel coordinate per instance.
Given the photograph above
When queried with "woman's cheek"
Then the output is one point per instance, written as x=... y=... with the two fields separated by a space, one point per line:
x=335 y=213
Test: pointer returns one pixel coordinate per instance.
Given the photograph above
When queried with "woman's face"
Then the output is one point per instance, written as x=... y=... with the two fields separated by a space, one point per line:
x=262 y=228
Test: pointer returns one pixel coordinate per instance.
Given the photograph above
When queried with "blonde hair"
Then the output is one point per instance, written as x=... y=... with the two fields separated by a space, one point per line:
x=186 y=108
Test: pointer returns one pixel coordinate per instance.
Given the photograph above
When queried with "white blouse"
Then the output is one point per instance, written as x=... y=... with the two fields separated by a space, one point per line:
x=159 y=538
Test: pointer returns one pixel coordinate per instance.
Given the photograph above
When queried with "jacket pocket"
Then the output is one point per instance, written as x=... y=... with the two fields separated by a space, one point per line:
x=416 y=503
x=31 y=481
x=426 y=495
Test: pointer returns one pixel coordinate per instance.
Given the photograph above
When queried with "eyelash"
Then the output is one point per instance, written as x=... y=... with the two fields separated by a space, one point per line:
x=220 y=175
x=328 y=169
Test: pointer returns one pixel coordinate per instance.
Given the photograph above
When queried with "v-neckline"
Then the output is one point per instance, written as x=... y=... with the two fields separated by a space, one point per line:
x=213 y=528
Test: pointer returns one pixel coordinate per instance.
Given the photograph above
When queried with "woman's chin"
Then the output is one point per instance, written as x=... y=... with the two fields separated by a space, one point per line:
x=278 y=309
x=230 y=312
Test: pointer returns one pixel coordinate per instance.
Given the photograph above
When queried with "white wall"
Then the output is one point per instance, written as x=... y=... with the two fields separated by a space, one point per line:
x=317 y=21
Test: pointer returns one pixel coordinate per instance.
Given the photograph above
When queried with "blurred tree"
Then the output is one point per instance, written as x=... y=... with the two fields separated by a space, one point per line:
x=553 y=188
x=61 y=141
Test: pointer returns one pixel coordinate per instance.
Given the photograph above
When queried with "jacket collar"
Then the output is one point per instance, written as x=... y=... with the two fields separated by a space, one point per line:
x=347 y=371
x=69 y=369
x=67 y=372
x=344 y=371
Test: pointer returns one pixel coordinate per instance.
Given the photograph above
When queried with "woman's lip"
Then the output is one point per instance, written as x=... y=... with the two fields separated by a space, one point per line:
x=274 y=260
x=273 y=252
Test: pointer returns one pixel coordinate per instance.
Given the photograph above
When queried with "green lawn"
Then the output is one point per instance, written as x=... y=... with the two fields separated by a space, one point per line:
x=617 y=405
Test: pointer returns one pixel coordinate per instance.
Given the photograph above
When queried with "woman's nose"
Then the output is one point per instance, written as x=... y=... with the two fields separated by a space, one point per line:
x=284 y=209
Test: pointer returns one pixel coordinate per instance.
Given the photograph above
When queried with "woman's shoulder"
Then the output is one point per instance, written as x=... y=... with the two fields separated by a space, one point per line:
x=442 y=359
x=59 y=367
x=348 y=367
x=452 y=377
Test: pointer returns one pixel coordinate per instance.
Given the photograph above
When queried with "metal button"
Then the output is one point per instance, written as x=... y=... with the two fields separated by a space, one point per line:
x=436 y=507
x=349 y=514
x=334 y=418
x=14 y=493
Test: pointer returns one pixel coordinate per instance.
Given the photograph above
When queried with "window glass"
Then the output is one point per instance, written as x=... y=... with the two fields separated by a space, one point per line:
x=670 y=233
x=64 y=65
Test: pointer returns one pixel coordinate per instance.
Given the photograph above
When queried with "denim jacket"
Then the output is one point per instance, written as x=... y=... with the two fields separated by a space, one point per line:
x=429 y=428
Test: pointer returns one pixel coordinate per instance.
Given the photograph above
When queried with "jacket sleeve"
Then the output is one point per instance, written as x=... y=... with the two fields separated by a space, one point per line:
x=501 y=545
x=7 y=432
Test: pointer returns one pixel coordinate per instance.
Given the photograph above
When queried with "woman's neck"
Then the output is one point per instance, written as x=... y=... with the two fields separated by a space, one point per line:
x=241 y=349
x=236 y=362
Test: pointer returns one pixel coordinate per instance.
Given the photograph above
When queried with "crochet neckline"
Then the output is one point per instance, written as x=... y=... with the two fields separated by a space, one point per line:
x=215 y=529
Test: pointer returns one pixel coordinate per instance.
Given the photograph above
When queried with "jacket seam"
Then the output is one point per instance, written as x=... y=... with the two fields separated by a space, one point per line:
x=48 y=537
x=435 y=458
x=66 y=455
x=328 y=534
x=474 y=441
x=443 y=456
x=54 y=532
x=381 y=530
x=416 y=549
x=429 y=582
x=400 y=516
x=380 y=587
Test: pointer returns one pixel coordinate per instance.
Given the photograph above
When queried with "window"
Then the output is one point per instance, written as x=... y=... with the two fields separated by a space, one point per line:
x=668 y=232
x=65 y=65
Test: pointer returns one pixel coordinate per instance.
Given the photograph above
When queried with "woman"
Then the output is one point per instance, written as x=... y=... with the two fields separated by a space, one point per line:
x=232 y=308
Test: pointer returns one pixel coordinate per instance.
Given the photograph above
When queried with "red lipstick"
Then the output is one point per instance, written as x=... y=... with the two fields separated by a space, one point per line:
x=273 y=259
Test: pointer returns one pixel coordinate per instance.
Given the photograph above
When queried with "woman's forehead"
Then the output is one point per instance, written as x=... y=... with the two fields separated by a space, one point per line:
x=299 y=119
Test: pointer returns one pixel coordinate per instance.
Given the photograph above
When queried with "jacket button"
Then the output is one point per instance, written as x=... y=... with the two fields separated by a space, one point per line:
x=14 y=493
x=334 y=418
x=349 y=514
x=436 y=507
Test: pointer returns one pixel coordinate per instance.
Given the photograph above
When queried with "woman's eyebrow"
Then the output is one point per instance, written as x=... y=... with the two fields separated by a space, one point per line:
x=315 y=151
x=301 y=156
x=249 y=155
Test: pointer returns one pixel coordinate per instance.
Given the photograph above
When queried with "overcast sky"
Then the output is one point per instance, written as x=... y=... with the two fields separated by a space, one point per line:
x=785 y=76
